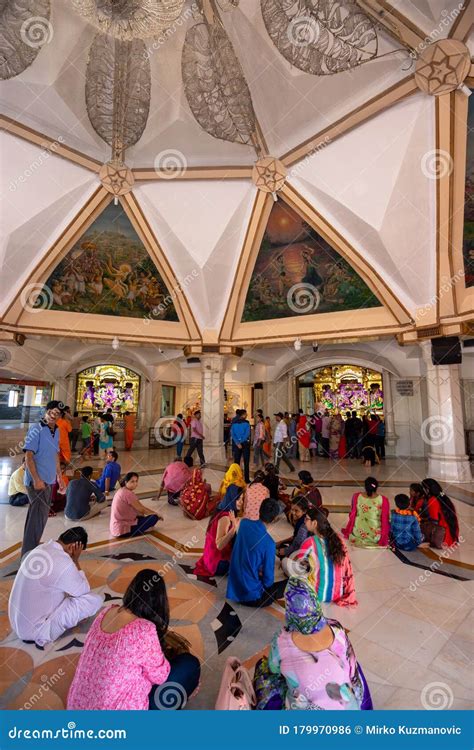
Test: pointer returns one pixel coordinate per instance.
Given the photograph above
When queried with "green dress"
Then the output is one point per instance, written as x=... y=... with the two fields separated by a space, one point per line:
x=368 y=526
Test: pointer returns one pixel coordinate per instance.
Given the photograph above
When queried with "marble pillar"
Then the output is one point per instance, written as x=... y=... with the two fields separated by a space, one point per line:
x=212 y=406
x=443 y=428
x=390 y=436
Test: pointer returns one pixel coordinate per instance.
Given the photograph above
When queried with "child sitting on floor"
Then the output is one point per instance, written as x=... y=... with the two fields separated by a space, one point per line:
x=405 y=525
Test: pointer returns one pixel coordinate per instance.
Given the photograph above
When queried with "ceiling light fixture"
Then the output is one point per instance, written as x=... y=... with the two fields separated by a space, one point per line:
x=115 y=343
x=297 y=344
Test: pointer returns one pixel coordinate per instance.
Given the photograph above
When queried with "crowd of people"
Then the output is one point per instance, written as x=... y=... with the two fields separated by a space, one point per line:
x=130 y=655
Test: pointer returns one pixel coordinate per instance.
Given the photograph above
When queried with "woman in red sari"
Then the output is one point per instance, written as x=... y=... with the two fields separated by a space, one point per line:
x=303 y=433
x=437 y=506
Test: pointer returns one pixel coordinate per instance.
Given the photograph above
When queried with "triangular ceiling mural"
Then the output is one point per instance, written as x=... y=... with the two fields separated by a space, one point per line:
x=468 y=246
x=108 y=271
x=298 y=272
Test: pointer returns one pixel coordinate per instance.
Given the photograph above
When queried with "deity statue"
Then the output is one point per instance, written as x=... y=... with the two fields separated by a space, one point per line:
x=108 y=395
x=376 y=396
x=328 y=397
x=89 y=397
x=128 y=398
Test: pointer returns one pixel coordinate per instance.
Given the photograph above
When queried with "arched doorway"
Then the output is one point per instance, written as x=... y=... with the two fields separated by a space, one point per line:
x=341 y=388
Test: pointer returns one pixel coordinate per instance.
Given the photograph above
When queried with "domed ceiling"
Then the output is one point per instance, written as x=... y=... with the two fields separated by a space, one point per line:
x=202 y=121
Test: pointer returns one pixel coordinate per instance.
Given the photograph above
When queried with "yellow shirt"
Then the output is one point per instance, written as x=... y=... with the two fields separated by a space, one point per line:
x=17 y=482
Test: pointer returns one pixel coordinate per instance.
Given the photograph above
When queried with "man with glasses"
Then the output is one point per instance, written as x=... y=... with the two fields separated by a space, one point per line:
x=41 y=449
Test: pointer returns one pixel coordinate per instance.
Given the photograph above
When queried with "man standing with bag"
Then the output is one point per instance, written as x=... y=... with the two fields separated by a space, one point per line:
x=41 y=451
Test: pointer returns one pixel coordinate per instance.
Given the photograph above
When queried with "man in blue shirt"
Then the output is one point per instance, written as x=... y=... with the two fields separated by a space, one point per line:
x=252 y=565
x=240 y=434
x=41 y=449
x=111 y=474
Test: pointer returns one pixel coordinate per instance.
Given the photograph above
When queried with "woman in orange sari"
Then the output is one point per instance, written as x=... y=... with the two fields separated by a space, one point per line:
x=128 y=430
x=267 y=446
x=64 y=426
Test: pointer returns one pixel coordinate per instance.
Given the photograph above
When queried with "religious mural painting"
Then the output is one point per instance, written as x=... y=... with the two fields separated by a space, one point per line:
x=468 y=245
x=107 y=387
x=298 y=272
x=109 y=272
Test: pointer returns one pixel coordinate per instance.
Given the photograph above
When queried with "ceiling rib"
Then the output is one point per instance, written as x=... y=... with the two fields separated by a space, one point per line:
x=394 y=23
x=48 y=144
x=463 y=24
x=361 y=114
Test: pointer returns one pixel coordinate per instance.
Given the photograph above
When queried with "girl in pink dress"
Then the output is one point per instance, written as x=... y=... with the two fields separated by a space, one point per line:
x=122 y=665
x=255 y=494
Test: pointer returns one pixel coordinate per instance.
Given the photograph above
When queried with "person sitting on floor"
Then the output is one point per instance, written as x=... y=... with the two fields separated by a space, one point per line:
x=124 y=665
x=438 y=507
x=252 y=565
x=220 y=536
x=255 y=494
x=58 y=498
x=16 y=487
x=195 y=500
x=369 y=518
x=128 y=517
x=110 y=475
x=51 y=593
x=175 y=476
x=417 y=497
x=307 y=489
x=330 y=569
x=316 y=657
x=297 y=517
x=233 y=483
x=405 y=528
x=84 y=500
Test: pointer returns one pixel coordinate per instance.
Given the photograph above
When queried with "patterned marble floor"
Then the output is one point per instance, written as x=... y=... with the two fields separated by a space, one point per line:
x=412 y=630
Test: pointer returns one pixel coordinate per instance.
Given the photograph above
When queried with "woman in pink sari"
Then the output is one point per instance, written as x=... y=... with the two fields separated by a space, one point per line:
x=369 y=518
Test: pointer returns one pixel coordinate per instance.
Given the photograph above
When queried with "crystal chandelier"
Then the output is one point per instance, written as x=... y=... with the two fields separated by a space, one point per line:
x=130 y=19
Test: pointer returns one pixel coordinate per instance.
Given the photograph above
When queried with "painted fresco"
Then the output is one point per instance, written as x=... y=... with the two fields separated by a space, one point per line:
x=468 y=245
x=109 y=272
x=298 y=272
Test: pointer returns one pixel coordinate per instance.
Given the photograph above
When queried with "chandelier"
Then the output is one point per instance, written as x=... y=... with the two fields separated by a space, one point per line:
x=215 y=85
x=320 y=37
x=24 y=29
x=130 y=19
x=118 y=85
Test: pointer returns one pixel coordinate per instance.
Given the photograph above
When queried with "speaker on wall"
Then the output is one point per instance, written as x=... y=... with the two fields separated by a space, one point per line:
x=446 y=351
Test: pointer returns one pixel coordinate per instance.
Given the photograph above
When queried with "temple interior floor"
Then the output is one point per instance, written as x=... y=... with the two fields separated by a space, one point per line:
x=412 y=630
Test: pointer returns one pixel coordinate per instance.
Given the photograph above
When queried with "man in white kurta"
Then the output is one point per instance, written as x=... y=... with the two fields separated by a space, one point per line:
x=51 y=593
